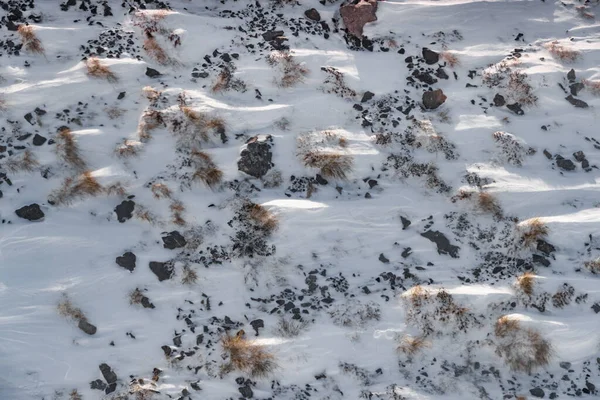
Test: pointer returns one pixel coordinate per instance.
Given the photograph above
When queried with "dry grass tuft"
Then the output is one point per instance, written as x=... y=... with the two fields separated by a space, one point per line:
x=24 y=162
x=450 y=58
x=563 y=53
x=263 y=218
x=223 y=81
x=293 y=72
x=68 y=150
x=190 y=276
x=246 y=356
x=114 y=112
x=410 y=345
x=155 y=51
x=331 y=165
x=532 y=230
x=160 y=191
x=136 y=296
x=585 y=13
x=83 y=186
x=487 y=203
x=206 y=169
x=151 y=94
x=593 y=266
x=177 y=209
x=67 y=309
x=74 y=395
x=3 y=104
x=289 y=328
x=520 y=89
x=95 y=69
x=116 y=189
x=592 y=86
x=128 y=148
x=523 y=349
x=151 y=120
x=143 y=214
x=526 y=282
x=30 y=40
x=197 y=128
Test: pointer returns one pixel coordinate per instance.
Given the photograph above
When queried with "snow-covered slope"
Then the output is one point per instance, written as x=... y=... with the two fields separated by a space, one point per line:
x=244 y=202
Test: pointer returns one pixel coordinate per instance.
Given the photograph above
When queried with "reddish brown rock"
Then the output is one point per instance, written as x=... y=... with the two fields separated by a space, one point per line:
x=356 y=14
x=433 y=99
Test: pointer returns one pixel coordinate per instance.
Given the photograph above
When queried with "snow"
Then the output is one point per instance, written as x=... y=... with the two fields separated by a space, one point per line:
x=334 y=232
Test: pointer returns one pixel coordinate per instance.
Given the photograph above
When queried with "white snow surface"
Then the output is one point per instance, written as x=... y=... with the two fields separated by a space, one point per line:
x=334 y=232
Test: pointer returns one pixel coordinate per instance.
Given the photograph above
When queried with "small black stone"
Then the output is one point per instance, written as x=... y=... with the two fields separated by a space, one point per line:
x=39 y=140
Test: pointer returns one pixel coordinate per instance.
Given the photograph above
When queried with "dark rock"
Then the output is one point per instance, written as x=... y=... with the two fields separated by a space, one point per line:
x=31 y=212
x=442 y=243
x=146 y=303
x=499 y=100
x=565 y=164
x=200 y=75
x=127 y=261
x=565 y=365
x=372 y=183
x=537 y=392
x=29 y=118
x=579 y=156
x=441 y=73
x=433 y=99
x=97 y=385
x=272 y=35
x=575 y=88
x=545 y=247
x=571 y=75
x=516 y=108
x=257 y=323
x=246 y=392
x=163 y=270
x=255 y=159
x=86 y=327
x=367 y=96
x=424 y=77
x=596 y=308
x=383 y=259
x=358 y=13
x=430 y=56
x=312 y=14
x=152 y=73
x=38 y=140
x=548 y=154
x=109 y=375
x=111 y=388
x=591 y=387
x=125 y=210
x=121 y=95
x=405 y=222
x=536 y=258
x=576 y=102
x=173 y=240
x=167 y=350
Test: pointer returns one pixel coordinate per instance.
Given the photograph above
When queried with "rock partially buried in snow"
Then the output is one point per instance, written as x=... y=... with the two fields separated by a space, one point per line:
x=576 y=102
x=87 y=327
x=565 y=164
x=125 y=210
x=31 y=212
x=109 y=375
x=152 y=73
x=173 y=240
x=433 y=99
x=127 y=261
x=312 y=14
x=162 y=270
x=430 y=56
x=442 y=243
x=356 y=14
x=255 y=159
x=537 y=392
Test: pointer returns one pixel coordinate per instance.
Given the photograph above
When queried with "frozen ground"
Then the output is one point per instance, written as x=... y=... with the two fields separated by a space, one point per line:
x=429 y=232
